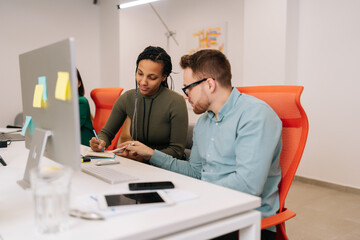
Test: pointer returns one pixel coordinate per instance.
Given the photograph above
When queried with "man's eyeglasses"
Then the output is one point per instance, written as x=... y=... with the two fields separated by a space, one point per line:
x=185 y=89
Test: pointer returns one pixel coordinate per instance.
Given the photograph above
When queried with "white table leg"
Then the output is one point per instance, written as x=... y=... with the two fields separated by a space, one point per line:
x=253 y=231
x=248 y=223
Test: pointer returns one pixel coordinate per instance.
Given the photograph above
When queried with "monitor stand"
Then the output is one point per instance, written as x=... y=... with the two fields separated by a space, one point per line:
x=37 y=148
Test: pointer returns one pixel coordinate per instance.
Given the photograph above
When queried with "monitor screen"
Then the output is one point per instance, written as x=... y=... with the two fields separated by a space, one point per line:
x=54 y=129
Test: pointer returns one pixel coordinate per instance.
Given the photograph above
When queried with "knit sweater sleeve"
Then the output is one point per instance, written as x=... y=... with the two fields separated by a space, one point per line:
x=178 y=127
x=116 y=118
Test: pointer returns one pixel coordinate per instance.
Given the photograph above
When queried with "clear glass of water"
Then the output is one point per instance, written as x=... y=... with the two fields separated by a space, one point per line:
x=51 y=187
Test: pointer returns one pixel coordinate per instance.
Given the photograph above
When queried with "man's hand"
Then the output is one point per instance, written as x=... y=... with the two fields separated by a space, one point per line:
x=136 y=150
x=97 y=145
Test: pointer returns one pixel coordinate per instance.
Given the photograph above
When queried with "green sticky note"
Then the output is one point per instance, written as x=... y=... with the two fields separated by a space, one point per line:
x=28 y=123
x=42 y=81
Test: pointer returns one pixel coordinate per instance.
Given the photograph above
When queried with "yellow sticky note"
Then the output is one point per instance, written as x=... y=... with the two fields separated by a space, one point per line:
x=38 y=94
x=62 y=90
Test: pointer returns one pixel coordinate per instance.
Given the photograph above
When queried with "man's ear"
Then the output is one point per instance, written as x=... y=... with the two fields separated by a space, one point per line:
x=211 y=84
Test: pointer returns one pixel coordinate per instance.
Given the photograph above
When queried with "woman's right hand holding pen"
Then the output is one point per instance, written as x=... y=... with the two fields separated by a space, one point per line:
x=97 y=145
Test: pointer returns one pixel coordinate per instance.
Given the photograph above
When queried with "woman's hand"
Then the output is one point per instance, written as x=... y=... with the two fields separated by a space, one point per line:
x=97 y=145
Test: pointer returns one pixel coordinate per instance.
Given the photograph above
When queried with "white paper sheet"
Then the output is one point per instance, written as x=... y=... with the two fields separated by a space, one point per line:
x=89 y=202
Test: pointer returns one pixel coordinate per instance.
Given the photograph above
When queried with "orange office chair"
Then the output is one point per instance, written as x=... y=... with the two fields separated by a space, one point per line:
x=104 y=99
x=285 y=101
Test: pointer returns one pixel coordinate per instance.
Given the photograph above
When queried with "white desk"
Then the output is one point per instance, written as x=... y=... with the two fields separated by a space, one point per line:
x=216 y=211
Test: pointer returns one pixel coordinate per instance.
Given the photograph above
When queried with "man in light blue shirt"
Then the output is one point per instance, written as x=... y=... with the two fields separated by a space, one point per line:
x=236 y=143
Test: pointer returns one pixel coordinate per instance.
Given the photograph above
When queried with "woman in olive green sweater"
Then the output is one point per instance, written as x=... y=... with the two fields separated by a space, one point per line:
x=158 y=115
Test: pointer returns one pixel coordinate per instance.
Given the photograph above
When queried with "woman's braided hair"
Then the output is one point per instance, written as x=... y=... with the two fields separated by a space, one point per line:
x=158 y=55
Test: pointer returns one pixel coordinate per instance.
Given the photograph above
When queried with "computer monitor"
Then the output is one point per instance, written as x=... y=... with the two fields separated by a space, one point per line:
x=56 y=127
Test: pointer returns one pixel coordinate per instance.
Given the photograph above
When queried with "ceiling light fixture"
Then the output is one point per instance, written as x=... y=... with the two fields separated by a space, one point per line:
x=134 y=3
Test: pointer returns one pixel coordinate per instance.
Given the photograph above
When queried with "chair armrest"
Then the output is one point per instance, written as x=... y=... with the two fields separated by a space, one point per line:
x=277 y=219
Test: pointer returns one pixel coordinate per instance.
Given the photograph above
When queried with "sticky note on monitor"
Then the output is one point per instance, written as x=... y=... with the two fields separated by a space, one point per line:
x=38 y=95
x=42 y=81
x=28 y=124
x=62 y=90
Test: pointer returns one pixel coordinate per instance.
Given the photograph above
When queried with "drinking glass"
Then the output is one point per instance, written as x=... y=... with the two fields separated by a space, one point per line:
x=51 y=187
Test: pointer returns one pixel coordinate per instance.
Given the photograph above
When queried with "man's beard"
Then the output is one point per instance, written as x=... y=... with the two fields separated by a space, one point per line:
x=202 y=105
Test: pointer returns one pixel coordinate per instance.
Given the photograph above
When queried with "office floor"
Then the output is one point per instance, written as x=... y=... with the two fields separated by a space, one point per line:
x=322 y=213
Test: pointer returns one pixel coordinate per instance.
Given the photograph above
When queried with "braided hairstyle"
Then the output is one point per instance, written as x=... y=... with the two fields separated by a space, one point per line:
x=158 y=55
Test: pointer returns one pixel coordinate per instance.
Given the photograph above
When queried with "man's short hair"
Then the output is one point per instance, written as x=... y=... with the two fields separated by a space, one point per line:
x=209 y=63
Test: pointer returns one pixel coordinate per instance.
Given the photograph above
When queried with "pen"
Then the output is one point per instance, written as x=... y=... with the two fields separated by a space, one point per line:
x=118 y=149
x=122 y=148
x=97 y=138
x=94 y=198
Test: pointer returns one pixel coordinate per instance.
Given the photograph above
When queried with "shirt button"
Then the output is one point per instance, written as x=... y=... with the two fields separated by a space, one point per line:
x=212 y=139
x=216 y=124
x=208 y=155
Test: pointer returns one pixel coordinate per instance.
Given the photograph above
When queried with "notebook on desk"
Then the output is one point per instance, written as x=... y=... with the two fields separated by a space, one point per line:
x=87 y=152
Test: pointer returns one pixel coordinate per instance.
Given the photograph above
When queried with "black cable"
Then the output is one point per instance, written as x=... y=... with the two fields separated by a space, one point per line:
x=2 y=161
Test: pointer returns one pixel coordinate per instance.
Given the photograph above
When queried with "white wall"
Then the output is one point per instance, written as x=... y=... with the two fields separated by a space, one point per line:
x=264 y=42
x=26 y=25
x=314 y=44
x=328 y=67
x=109 y=43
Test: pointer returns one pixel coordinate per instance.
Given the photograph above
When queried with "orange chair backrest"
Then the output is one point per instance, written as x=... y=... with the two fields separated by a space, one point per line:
x=285 y=101
x=104 y=99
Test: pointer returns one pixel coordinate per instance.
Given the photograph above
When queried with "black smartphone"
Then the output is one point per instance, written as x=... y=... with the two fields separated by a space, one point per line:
x=134 y=199
x=151 y=185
